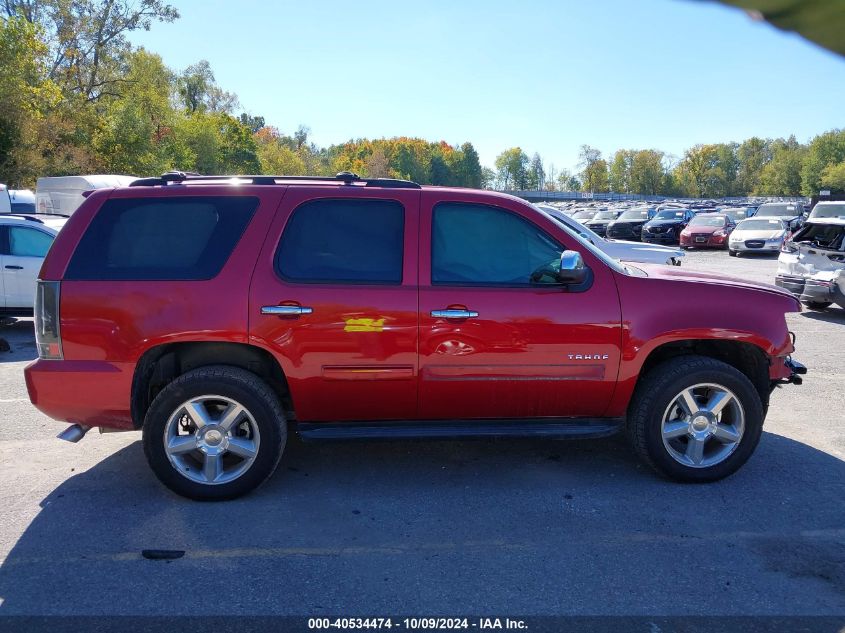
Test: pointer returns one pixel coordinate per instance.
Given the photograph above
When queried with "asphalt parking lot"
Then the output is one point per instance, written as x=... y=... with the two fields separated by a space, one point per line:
x=449 y=528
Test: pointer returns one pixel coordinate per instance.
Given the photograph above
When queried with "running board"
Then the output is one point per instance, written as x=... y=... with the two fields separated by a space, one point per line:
x=558 y=428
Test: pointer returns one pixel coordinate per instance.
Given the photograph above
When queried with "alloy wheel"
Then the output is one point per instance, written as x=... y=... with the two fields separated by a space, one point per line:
x=211 y=439
x=703 y=425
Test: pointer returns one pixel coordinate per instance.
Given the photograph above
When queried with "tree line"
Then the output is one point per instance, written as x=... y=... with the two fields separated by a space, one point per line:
x=756 y=166
x=76 y=97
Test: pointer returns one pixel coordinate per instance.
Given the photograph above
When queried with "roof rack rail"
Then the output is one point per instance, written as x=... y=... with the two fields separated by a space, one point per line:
x=346 y=177
x=22 y=216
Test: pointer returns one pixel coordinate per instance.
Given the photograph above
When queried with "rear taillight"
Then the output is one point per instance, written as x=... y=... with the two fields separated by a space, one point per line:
x=48 y=336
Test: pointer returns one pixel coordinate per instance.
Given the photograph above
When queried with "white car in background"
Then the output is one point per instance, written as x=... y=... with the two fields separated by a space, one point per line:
x=828 y=210
x=812 y=263
x=618 y=249
x=24 y=242
x=757 y=235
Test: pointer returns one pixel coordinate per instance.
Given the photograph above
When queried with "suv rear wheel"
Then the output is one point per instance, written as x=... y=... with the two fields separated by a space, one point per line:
x=214 y=433
x=695 y=419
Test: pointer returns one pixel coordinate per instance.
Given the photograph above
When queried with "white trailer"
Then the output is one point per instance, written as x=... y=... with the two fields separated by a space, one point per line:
x=62 y=195
x=5 y=200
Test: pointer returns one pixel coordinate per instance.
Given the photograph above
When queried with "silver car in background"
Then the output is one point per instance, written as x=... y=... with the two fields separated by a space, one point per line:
x=758 y=235
x=636 y=252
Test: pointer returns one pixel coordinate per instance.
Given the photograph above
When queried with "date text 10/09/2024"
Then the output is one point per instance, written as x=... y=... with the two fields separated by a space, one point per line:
x=417 y=623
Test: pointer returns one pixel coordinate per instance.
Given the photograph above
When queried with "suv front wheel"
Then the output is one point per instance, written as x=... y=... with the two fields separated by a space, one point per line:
x=695 y=419
x=214 y=433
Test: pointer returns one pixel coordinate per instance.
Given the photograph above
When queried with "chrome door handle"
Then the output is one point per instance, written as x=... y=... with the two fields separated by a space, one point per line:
x=286 y=310
x=454 y=314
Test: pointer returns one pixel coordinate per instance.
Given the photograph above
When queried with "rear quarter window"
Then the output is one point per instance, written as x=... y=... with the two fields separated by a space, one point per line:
x=181 y=238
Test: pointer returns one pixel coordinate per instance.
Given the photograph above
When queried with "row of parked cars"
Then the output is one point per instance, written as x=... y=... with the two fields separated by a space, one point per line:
x=737 y=228
x=810 y=243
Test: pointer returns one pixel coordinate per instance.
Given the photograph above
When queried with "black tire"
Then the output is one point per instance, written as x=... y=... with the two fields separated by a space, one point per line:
x=732 y=253
x=818 y=305
x=684 y=248
x=654 y=395
x=246 y=389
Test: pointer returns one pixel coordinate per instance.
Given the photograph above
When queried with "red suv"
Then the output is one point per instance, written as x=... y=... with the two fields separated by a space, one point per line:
x=219 y=314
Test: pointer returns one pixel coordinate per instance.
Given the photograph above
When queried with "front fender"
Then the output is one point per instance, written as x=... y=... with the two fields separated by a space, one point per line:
x=657 y=312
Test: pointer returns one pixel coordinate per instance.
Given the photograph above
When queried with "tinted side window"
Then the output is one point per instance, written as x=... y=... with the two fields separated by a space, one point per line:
x=25 y=242
x=181 y=238
x=343 y=241
x=479 y=244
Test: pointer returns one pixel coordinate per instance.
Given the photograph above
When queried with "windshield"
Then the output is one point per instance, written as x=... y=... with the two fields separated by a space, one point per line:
x=760 y=225
x=635 y=214
x=605 y=215
x=589 y=243
x=829 y=211
x=670 y=214
x=583 y=215
x=708 y=220
x=779 y=210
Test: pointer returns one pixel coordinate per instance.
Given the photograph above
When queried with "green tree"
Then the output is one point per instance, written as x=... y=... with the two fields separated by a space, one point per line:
x=219 y=144
x=752 y=154
x=594 y=178
x=512 y=169
x=536 y=176
x=439 y=172
x=200 y=92
x=26 y=94
x=781 y=176
x=488 y=178
x=300 y=137
x=619 y=177
x=825 y=150
x=567 y=181
x=468 y=169
x=406 y=163
x=377 y=164
x=87 y=39
x=275 y=156
x=254 y=123
x=699 y=174
x=594 y=175
x=136 y=132
x=727 y=165
x=647 y=174
x=833 y=177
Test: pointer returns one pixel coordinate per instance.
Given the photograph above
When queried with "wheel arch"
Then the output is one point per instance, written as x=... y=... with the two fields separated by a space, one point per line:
x=160 y=365
x=749 y=358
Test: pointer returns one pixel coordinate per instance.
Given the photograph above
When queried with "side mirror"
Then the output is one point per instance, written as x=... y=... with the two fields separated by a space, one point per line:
x=572 y=269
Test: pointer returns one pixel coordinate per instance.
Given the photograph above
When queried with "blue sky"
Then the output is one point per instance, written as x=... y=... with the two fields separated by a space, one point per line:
x=547 y=76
